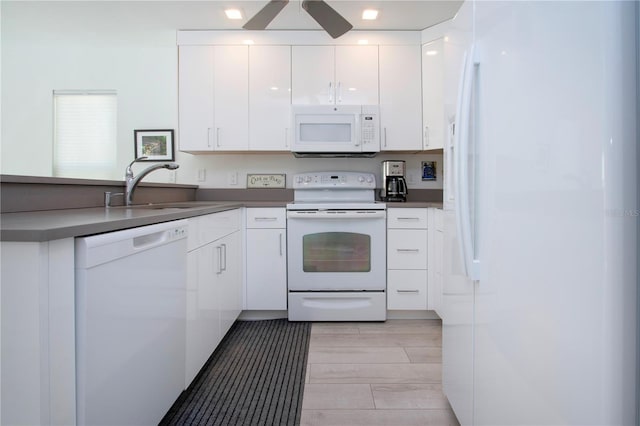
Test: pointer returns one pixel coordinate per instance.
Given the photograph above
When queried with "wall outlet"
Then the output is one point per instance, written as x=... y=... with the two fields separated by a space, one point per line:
x=202 y=175
x=232 y=178
x=172 y=176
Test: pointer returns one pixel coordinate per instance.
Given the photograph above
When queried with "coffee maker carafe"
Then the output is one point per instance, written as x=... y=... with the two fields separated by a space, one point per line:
x=394 y=184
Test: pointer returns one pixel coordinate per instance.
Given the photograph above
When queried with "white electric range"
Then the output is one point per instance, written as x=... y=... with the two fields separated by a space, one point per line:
x=336 y=234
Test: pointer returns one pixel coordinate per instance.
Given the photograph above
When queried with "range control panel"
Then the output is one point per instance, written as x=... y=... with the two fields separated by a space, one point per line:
x=334 y=180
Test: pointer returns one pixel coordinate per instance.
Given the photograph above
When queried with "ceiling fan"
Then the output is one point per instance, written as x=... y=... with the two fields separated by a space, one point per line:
x=330 y=20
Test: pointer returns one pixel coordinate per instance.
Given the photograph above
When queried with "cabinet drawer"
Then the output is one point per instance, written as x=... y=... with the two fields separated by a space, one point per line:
x=275 y=217
x=407 y=290
x=407 y=249
x=407 y=218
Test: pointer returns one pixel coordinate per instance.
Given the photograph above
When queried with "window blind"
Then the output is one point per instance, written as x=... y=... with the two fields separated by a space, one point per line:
x=85 y=134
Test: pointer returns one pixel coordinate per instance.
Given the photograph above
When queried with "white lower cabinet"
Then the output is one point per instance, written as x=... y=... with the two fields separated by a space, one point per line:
x=214 y=284
x=435 y=260
x=230 y=279
x=407 y=289
x=407 y=259
x=37 y=373
x=266 y=271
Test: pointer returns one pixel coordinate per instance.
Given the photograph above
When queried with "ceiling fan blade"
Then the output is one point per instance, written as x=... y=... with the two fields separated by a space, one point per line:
x=327 y=17
x=266 y=15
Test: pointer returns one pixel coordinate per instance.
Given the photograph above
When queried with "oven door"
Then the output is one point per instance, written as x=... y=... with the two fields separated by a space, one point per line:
x=336 y=250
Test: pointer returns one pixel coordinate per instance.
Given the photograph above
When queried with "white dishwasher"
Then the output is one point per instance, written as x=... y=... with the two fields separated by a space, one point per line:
x=130 y=324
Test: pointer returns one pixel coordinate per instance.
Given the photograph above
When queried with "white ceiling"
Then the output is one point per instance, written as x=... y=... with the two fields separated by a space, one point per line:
x=394 y=14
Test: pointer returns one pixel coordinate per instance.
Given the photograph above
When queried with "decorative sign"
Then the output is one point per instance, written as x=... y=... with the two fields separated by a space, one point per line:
x=266 y=181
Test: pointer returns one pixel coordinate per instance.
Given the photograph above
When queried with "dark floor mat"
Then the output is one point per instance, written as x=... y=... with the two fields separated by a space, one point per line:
x=255 y=377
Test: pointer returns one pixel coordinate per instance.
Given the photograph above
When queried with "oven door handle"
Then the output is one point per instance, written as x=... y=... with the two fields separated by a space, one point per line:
x=336 y=214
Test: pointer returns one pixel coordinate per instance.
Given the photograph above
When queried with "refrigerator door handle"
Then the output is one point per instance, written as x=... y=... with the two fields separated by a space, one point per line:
x=461 y=160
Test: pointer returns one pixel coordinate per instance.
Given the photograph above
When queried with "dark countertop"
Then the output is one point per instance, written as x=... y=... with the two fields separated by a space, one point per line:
x=50 y=225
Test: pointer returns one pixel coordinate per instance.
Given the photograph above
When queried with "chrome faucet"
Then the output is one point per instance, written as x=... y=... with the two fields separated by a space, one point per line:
x=133 y=181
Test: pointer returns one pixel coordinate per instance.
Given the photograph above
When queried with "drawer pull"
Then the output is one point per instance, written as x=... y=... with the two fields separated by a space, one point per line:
x=265 y=219
x=408 y=218
x=408 y=291
x=408 y=250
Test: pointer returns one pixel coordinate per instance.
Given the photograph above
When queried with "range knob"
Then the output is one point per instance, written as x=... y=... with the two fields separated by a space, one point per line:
x=369 y=179
x=361 y=179
x=307 y=179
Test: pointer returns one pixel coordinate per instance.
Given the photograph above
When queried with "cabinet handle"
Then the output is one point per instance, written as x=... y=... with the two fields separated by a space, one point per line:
x=281 y=244
x=400 y=250
x=218 y=137
x=408 y=291
x=265 y=219
x=330 y=92
x=385 y=137
x=426 y=135
x=224 y=256
x=209 y=137
x=286 y=137
x=339 y=91
x=219 y=250
x=408 y=218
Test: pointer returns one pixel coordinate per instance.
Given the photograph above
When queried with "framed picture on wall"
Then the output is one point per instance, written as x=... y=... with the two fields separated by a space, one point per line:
x=156 y=145
x=429 y=170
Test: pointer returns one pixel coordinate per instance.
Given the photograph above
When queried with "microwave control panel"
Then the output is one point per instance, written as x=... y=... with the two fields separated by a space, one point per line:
x=369 y=126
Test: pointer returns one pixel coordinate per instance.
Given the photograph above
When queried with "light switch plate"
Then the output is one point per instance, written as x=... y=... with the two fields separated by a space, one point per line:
x=266 y=180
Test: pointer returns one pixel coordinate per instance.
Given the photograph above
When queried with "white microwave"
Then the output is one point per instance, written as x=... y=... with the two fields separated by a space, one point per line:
x=335 y=130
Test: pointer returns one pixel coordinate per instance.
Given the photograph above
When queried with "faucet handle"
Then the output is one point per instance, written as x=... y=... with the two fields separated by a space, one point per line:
x=109 y=195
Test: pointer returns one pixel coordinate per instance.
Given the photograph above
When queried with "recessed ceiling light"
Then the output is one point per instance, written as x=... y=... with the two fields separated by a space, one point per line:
x=233 y=13
x=431 y=52
x=370 y=14
x=363 y=41
x=247 y=41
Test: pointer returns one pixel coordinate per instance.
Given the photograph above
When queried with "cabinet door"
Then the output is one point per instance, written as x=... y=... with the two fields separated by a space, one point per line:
x=203 y=312
x=435 y=285
x=400 y=98
x=231 y=98
x=195 y=98
x=312 y=75
x=269 y=97
x=230 y=278
x=356 y=75
x=433 y=119
x=266 y=269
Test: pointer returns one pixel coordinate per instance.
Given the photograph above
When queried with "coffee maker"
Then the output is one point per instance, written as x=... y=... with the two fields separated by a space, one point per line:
x=394 y=184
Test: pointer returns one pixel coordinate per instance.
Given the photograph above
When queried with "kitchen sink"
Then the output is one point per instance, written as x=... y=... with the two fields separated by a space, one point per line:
x=171 y=206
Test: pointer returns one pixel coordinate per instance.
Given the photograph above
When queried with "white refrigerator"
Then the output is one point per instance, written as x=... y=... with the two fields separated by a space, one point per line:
x=540 y=290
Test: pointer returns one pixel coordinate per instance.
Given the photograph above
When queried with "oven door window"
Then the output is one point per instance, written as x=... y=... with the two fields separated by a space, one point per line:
x=336 y=252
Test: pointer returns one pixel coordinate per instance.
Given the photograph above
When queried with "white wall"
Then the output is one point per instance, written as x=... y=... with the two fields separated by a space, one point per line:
x=129 y=47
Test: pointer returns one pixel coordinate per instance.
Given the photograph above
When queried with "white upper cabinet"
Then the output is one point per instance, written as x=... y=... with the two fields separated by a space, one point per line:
x=269 y=98
x=231 y=98
x=195 y=100
x=214 y=98
x=433 y=117
x=357 y=75
x=400 y=98
x=328 y=75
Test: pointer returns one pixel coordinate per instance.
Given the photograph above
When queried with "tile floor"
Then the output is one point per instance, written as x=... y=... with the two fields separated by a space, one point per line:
x=376 y=374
